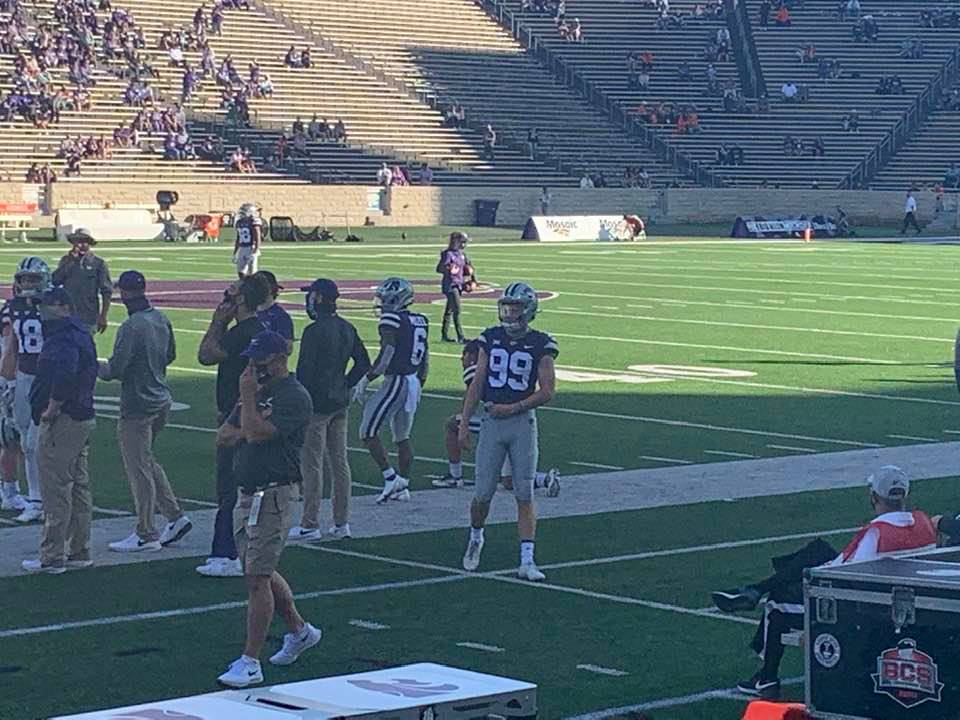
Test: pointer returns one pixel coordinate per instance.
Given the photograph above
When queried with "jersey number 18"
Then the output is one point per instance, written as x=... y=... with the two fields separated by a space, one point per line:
x=510 y=369
x=29 y=335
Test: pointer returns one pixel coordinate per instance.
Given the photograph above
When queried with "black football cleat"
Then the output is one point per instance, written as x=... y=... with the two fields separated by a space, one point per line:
x=756 y=687
x=739 y=600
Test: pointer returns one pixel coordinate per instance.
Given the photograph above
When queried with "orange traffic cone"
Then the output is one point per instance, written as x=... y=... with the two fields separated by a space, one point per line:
x=764 y=710
x=808 y=233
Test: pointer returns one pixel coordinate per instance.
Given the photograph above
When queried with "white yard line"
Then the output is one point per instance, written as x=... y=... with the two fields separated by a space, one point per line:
x=369 y=625
x=4 y=521
x=600 y=670
x=656 y=458
x=718 y=694
x=114 y=513
x=481 y=646
x=204 y=609
x=727 y=453
x=913 y=437
x=793 y=448
x=599 y=466
x=201 y=503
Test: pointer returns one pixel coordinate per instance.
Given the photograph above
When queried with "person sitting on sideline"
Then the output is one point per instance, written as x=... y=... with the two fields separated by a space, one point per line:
x=266 y=430
x=894 y=529
x=143 y=349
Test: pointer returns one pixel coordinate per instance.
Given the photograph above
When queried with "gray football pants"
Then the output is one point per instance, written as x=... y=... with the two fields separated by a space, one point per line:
x=514 y=437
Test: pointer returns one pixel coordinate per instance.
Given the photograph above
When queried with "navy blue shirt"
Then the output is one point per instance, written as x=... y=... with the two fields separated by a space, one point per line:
x=513 y=363
x=411 y=330
x=277 y=319
x=66 y=370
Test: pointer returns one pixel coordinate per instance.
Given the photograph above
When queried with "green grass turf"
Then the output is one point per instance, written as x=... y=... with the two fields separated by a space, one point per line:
x=846 y=344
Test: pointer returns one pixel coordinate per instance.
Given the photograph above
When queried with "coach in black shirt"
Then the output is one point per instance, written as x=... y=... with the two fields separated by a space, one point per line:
x=223 y=346
x=328 y=344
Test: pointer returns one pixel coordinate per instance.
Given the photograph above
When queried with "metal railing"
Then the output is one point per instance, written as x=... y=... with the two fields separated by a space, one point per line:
x=592 y=93
x=906 y=126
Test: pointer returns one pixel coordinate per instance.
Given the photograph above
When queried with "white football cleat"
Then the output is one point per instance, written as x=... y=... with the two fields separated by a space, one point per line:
x=402 y=496
x=471 y=558
x=133 y=544
x=175 y=531
x=78 y=564
x=33 y=512
x=221 y=567
x=340 y=532
x=530 y=571
x=394 y=487
x=296 y=645
x=307 y=534
x=35 y=566
x=242 y=673
x=14 y=502
x=553 y=482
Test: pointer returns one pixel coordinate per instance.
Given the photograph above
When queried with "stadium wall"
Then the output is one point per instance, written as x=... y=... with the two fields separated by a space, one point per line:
x=435 y=205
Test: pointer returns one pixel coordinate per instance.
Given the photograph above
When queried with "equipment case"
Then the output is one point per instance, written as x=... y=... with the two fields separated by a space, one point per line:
x=883 y=639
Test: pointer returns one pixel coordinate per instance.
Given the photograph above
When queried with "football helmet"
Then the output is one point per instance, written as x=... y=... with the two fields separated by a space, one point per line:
x=247 y=210
x=459 y=240
x=517 y=307
x=9 y=435
x=393 y=295
x=31 y=278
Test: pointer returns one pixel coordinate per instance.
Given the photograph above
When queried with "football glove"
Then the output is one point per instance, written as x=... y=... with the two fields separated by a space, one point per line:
x=360 y=390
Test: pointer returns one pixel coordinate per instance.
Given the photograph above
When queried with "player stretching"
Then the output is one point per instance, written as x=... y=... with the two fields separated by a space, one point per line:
x=549 y=480
x=23 y=341
x=404 y=362
x=515 y=376
x=246 y=248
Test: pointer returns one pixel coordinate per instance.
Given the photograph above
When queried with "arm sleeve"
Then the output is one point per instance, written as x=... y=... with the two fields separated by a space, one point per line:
x=389 y=321
x=123 y=348
x=550 y=347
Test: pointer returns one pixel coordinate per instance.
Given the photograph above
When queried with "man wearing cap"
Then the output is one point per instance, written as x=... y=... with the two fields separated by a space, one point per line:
x=143 y=348
x=267 y=431
x=327 y=345
x=87 y=279
x=271 y=315
x=61 y=403
x=223 y=346
x=893 y=530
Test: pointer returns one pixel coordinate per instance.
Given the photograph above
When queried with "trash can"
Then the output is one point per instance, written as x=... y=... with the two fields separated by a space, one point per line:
x=485 y=212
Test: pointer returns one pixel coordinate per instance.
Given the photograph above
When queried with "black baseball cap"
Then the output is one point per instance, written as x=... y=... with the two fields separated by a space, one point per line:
x=271 y=278
x=131 y=280
x=326 y=289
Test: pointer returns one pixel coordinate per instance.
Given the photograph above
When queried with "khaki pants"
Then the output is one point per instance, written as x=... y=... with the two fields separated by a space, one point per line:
x=325 y=449
x=259 y=546
x=65 y=486
x=148 y=482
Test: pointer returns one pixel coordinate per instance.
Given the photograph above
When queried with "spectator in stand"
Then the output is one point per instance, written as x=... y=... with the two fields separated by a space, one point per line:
x=851 y=10
x=313 y=128
x=789 y=91
x=783 y=16
x=950 y=180
x=292 y=59
x=683 y=72
x=216 y=20
x=266 y=86
x=643 y=178
x=426 y=175
x=340 y=132
x=576 y=32
x=533 y=143
x=764 y=12
x=817 y=148
x=586 y=181
x=384 y=175
x=646 y=61
x=489 y=142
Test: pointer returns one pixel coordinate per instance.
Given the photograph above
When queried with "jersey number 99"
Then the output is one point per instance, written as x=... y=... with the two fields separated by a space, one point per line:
x=510 y=369
x=29 y=335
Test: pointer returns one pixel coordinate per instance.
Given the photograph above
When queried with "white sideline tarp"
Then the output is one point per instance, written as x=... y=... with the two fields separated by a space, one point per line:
x=110 y=223
x=564 y=228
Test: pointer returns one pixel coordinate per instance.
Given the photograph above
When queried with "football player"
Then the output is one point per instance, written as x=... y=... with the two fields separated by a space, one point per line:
x=515 y=375
x=23 y=341
x=549 y=480
x=404 y=363
x=246 y=248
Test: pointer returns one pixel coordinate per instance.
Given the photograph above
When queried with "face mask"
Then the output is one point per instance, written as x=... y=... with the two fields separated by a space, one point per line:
x=47 y=314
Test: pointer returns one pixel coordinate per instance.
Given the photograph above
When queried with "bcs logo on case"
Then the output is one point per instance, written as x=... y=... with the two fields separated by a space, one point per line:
x=907 y=675
x=405 y=688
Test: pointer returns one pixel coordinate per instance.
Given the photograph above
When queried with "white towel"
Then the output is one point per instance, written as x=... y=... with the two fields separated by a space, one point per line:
x=413 y=393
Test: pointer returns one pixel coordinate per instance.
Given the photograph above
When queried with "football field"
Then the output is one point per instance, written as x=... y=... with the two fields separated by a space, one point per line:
x=674 y=355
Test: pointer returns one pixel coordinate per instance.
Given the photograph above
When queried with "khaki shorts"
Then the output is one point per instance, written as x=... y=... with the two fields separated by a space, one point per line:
x=259 y=546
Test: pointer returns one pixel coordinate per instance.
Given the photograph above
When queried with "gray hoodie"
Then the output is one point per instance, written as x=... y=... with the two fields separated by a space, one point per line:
x=144 y=347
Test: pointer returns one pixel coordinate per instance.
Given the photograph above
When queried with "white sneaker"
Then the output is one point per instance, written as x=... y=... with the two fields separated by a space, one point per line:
x=134 y=543
x=471 y=558
x=394 y=487
x=294 y=646
x=175 y=531
x=79 y=564
x=221 y=567
x=530 y=571
x=35 y=566
x=340 y=532
x=14 y=502
x=242 y=673
x=447 y=481
x=553 y=482
x=31 y=513
x=301 y=533
x=402 y=496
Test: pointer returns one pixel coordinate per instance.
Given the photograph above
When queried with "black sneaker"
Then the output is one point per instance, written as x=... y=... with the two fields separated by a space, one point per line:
x=739 y=600
x=448 y=481
x=755 y=687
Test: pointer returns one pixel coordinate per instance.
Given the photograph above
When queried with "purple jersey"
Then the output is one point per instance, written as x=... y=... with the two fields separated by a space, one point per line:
x=23 y=317
x=452 y=264
x=411 y=332
x=513 y=363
